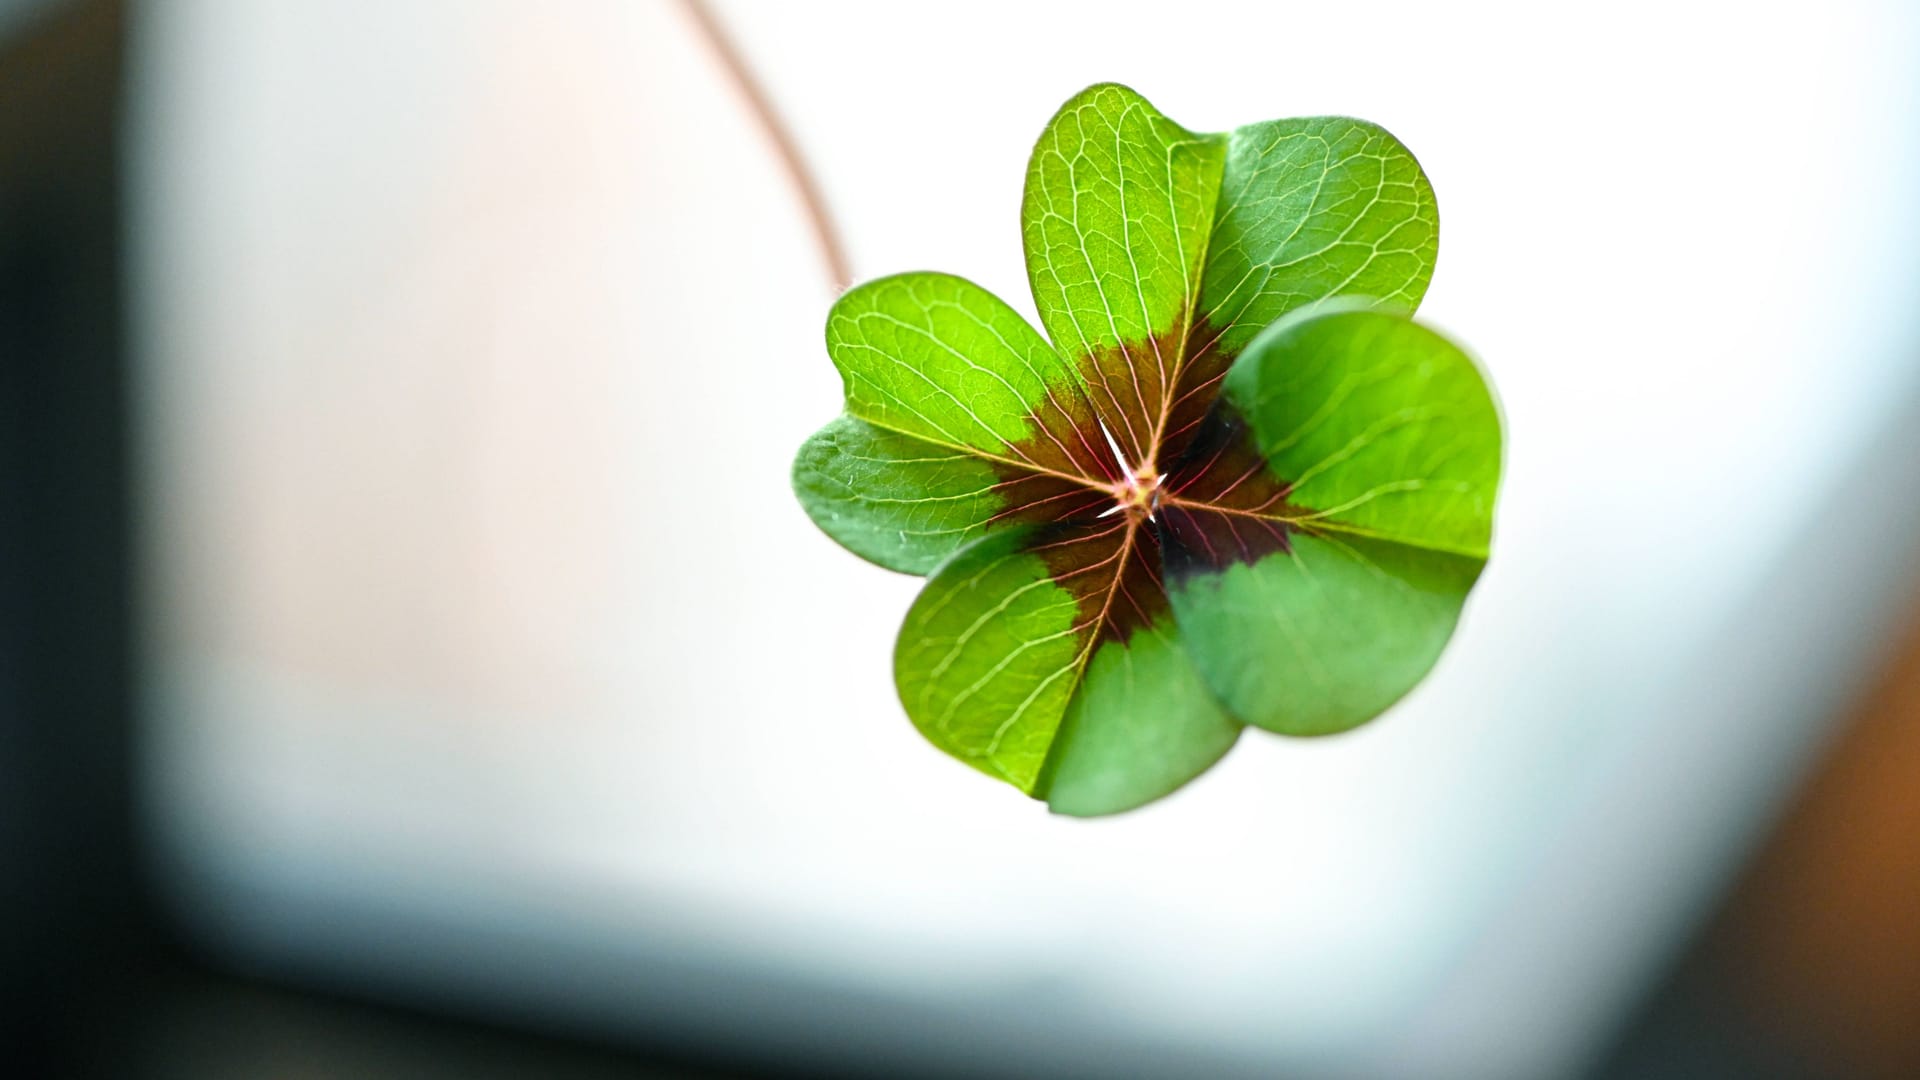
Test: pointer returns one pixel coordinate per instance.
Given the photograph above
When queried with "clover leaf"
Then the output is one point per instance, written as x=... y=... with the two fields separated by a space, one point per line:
x=1234 y=484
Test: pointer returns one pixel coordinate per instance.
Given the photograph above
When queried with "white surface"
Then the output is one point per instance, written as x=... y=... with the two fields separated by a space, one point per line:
x=481 y=337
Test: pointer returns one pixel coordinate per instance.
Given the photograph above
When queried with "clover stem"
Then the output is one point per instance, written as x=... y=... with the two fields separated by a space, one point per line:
x=826 y=235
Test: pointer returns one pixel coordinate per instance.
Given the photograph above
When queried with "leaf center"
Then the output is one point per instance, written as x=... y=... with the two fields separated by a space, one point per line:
x=1136 y=494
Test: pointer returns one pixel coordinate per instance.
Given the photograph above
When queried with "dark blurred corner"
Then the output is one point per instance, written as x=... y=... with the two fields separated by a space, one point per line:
x=1822 y=947
x=1811 y=968
x=72 y=921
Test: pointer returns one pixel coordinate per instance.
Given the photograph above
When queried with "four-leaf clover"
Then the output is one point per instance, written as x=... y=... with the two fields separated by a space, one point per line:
x=1240 y=486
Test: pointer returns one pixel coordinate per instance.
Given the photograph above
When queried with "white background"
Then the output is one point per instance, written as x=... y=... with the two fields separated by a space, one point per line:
x=480 y=337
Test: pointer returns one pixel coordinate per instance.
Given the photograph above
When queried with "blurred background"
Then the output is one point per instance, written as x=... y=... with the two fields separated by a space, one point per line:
x=413 y=662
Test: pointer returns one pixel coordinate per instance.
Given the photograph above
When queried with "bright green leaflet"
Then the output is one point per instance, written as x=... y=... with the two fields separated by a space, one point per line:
x=947 y=389
x=985 y=659
x=943 y=360
x=1118 y=205
x=1052 y=647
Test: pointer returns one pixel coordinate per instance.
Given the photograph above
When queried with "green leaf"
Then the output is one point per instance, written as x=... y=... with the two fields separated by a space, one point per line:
x=941 y=359
x=1044 y=656
x=990 y=654
x=1381 y=425
x=1118 y=205
x=1142 y=724
x=1386 y=444
x=1166 y=524
x=1325 y=635
x=954 y=422
x=1309 y=210
x=1314 y=208
x=906 y=503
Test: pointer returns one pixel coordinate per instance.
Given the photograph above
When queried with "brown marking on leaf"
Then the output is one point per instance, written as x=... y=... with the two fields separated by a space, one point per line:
x=1043 y=497
x=1109 y=569
x=1200 y=539
x=1222 y=504
x=1127 y=389
x=1219 y=465
x=1066 y=437
x=1216 y=502
x=1197 y=388
x=1131 y=383
x=1212 y=514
